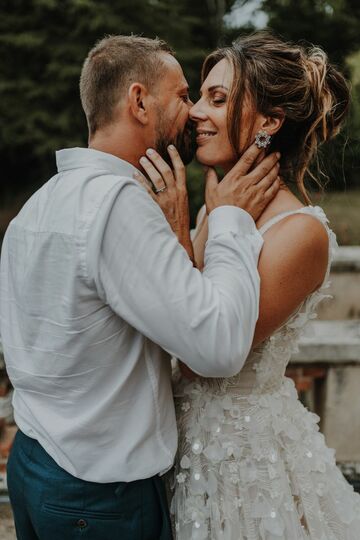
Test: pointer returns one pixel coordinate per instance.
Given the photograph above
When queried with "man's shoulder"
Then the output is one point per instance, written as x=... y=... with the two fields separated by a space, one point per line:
x=101 y=182
x=71 y=200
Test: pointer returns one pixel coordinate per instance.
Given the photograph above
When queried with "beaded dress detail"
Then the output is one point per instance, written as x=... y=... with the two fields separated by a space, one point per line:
x=252 y=464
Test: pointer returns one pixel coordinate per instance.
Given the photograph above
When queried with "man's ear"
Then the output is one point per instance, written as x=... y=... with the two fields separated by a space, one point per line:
x=272 y=124
x=138 y=100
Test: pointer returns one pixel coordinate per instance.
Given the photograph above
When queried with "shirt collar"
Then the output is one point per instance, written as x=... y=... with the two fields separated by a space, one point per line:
x=75 y=158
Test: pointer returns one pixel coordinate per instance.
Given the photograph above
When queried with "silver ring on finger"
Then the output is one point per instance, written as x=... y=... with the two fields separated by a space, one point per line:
x=164 y=188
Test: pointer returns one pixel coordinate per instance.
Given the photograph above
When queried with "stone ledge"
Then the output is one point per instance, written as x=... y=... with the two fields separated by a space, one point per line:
x=346 y=259
x=332 y=342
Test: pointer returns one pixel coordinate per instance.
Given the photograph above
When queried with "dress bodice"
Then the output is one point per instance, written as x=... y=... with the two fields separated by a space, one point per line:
x=265 y=366
x=251 y=463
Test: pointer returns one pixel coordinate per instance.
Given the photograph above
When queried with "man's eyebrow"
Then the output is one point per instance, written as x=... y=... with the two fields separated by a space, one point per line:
x=214 y=87
x=185 y=89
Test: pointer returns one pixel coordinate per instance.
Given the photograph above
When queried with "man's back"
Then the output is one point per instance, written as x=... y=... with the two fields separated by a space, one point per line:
x=78 y=367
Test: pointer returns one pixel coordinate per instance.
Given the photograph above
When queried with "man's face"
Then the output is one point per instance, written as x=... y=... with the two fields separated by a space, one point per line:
x=172 y=112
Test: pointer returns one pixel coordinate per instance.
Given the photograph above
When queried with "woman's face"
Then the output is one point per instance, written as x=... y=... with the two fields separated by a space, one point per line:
x=210 y=116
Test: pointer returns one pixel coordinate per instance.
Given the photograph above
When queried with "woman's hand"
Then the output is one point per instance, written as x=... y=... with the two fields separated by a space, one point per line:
x=250 y=184
x=168 y=189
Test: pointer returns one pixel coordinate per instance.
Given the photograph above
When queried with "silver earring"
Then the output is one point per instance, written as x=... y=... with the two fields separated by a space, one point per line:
x=262 y=139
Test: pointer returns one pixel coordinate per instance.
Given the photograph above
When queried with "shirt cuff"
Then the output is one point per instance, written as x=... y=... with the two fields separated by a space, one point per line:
x=224 y=219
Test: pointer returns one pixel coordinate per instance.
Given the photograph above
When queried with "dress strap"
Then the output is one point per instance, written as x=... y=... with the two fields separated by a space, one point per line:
x=278 y=218
x=314 y=211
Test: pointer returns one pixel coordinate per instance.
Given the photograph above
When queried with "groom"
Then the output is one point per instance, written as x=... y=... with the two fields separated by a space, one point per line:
x=97 y=293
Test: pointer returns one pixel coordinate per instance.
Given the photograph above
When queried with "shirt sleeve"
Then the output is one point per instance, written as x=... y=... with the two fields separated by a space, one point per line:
x=205 y=319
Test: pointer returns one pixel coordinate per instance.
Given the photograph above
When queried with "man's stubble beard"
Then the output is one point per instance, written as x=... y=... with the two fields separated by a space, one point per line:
x=183 y=141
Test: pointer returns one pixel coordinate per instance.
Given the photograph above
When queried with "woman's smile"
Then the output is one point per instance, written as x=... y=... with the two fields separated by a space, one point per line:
x=209 y=115
x=203 y=135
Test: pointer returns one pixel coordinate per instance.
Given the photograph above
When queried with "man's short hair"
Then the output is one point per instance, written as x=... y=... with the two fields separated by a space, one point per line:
x=111 y=67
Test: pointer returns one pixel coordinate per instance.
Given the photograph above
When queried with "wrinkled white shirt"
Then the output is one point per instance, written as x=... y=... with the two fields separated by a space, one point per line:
x=94 y=288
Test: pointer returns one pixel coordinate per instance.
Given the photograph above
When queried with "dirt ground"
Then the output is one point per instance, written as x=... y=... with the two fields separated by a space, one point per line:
x=7 y=529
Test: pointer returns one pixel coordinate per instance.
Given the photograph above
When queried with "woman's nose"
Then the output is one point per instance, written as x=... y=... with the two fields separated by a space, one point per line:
x=196 y=112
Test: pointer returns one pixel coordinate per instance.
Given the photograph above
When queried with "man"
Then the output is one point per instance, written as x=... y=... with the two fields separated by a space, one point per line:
x=95 y=287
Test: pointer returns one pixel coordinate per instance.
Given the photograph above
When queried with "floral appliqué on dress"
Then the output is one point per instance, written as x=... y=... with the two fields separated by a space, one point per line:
x=252 y=464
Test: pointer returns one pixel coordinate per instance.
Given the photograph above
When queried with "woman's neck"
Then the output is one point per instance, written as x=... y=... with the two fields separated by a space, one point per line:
x=284 y=201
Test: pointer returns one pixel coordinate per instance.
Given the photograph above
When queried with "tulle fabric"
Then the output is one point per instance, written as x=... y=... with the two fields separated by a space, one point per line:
x=252 y=464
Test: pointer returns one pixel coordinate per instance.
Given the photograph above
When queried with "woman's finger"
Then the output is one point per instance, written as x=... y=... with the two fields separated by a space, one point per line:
x=153 y=174
x=160 y=164
x=259 y=159
x=269 y=179
x=179 y=167
x=261 y=170
x=211 y=183
x=145 y=183
x=245 y=163
x=272 y=190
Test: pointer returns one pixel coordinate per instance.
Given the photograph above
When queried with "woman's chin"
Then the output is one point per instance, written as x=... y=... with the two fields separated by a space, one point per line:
x=208 y=160
x=205 y=158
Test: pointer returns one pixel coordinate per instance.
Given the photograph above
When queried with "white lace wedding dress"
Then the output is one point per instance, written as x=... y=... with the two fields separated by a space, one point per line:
x=252 y=464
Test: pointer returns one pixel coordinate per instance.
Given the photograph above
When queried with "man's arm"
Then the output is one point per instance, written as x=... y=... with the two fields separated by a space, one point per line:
x=146 y=277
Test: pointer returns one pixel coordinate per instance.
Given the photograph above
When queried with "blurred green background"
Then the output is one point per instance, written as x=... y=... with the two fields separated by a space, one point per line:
x=44 y=42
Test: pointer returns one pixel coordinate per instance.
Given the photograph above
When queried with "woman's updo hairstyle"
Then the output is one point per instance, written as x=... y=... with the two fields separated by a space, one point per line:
x=285 y=80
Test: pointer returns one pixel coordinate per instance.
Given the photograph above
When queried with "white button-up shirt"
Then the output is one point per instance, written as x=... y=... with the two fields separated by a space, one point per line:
x=96 y=295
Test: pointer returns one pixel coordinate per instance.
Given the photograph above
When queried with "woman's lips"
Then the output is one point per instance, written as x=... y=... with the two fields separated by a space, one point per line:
x=202 y=136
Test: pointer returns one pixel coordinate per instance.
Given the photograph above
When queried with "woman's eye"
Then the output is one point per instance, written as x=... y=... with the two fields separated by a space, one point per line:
x=218 y=100
x=185 y=98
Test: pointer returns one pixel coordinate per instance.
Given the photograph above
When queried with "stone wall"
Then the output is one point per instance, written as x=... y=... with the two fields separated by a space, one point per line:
x=345 y=286
x=327 y=368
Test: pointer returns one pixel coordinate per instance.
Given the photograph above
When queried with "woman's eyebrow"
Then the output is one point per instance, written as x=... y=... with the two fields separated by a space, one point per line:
x=214 y=87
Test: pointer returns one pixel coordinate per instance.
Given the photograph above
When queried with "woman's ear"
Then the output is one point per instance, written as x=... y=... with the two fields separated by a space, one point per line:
x=138 y=100
x=272 y=124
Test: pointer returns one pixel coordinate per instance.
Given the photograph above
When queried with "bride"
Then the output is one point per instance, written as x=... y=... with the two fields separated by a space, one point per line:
x=251 y=463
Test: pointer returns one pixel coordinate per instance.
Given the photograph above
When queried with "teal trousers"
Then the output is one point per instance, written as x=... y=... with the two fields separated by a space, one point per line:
x=50 y=504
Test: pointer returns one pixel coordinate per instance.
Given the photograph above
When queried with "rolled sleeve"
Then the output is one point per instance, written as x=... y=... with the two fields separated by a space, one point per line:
x=230 y=218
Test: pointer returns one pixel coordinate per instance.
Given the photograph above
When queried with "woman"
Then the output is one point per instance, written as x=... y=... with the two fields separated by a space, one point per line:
x=252 y=464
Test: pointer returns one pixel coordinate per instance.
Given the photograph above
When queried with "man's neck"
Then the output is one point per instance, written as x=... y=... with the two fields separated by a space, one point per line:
x=120 y=146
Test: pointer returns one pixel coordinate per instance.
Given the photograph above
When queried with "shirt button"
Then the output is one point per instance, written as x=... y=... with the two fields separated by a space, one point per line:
x=81 y=523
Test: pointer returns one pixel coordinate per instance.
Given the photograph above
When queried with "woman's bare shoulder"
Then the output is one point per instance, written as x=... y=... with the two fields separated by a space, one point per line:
x=299 y=240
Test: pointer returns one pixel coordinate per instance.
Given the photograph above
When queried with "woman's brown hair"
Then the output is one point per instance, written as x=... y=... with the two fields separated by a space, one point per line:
x=290 y=81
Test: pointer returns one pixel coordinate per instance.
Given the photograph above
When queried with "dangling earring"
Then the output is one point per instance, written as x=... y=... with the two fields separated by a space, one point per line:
x=262 y=139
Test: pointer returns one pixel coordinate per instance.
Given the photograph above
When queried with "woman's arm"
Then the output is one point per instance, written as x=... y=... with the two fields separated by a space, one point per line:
x=200 y=238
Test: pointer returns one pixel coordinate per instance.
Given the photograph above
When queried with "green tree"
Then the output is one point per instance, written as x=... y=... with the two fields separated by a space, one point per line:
x=44 y=42
x=42 y=47
x=334 y=25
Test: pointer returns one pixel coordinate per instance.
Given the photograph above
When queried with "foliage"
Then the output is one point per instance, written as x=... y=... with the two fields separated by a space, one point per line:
x=342 y=210
x=334 y=25
x=43 y=44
